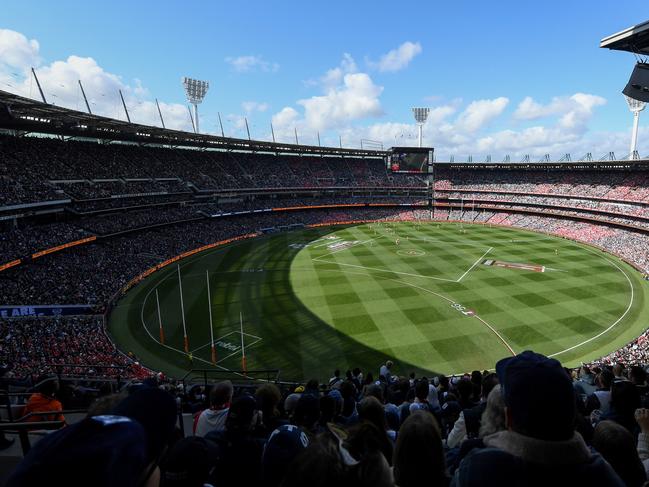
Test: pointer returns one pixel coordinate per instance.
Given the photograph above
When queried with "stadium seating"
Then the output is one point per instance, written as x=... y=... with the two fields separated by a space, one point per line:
x=131 y=207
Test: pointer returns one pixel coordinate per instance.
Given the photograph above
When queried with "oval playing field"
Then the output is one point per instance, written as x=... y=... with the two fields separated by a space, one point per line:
x=440 y=298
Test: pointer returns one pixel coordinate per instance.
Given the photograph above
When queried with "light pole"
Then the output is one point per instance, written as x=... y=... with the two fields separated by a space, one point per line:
x=421 y=115
x=195 y=91
x=636 y=106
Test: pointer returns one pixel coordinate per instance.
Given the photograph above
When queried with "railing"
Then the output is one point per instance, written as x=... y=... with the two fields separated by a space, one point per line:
x=6 y=401
x=22 y=429
x=211 y=375
x=58 y=370
x=33 y=414
x=23 y=426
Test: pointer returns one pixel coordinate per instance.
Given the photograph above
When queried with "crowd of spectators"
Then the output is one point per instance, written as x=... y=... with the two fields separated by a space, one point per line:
x=96 y=189
x=63 y=277
x=615 y=185
x=32 y=347
x=41 y=169
x=106 y=205
x=109 y=223
x=93 y=273
x=634 y=353
x=532 y=423
x=354 y=431
x=16 y=242
x=628 y=208
x=26 y=238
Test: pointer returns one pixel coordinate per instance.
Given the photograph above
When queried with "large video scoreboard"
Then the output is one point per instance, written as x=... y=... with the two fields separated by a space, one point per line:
x=410 y=159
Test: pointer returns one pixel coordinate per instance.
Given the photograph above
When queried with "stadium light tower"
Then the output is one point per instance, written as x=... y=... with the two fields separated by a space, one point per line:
x=421 y=115
x=636 y=106
x=195 y=91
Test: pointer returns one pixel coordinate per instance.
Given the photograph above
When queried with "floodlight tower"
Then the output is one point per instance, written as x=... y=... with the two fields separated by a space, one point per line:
x=195 y=91
x=421 y=115
x=636 y=106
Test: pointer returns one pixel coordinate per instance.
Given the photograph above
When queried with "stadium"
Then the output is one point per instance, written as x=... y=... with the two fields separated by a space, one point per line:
x=141 y=264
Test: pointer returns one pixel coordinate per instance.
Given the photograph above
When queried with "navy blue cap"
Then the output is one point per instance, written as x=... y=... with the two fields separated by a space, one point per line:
x=156 y=411
x=189 y=462
x=539 y=394
x=451 y=409
x=241 y=412
x=307 y=410
x=283 y=445
x=99 y=451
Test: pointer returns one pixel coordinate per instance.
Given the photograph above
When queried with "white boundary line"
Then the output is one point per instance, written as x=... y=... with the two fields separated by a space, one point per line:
x=628 y=308
x=599 y=254
x=182 y=352
x=504 y=342
x=199 y=257
x=226 y=335
x=164 y=345
x=238 y=351
x=320 y=259
x=475 y=264
x=355 y=244
x=328 y=242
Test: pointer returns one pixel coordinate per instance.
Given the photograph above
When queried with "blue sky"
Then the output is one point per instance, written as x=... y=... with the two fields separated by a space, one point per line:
x=501 y=77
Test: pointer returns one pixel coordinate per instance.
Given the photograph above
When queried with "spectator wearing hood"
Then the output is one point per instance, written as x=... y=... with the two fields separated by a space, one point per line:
x=540 y=446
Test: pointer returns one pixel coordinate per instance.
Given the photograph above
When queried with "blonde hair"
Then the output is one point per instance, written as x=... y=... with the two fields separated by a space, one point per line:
x=493 y=418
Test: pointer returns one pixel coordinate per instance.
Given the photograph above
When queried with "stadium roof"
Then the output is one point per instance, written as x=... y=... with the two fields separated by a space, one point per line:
x=25 y=114
x=634 y=39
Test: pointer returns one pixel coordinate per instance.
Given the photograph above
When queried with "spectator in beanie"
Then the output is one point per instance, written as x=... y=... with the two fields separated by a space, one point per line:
x=101 y=451
x=189 y=463
x=540 y=446
x=283 y=445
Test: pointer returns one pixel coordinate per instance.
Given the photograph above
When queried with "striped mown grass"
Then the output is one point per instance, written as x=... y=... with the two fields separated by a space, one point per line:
x=339 y=297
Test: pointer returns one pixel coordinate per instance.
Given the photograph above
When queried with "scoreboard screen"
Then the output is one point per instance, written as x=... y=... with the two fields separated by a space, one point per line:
x=410 y=159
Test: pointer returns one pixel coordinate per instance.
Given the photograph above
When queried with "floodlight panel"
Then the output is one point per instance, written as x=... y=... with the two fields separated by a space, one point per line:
x=421 y=114
x=635 y=105
x=195 y=89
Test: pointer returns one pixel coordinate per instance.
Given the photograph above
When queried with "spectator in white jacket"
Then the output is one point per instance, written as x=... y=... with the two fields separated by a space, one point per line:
x=213 y=419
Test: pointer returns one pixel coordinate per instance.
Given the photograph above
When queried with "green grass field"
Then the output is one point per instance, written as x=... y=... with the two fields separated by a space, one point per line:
x=345 y=296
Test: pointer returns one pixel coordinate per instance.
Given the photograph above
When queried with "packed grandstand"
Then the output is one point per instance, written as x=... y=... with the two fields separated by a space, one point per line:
x=80 y=219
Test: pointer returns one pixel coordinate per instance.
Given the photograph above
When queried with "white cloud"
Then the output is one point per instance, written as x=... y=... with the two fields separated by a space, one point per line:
x=356 y=98
x=345 y=96
x=16 y=51
x=285 y=117
x=556 y=141
x=583 y=109
x=59 y=80
x=528 y=109
x=468 y=134
x=577 y=106
x=253 y=106
x=397 y=59
x=334 y=76
x=481 y=112
x=348 y=95
x=248 y=64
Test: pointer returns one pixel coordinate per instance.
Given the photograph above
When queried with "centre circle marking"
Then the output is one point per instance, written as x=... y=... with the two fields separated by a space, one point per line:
x=411 y=252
